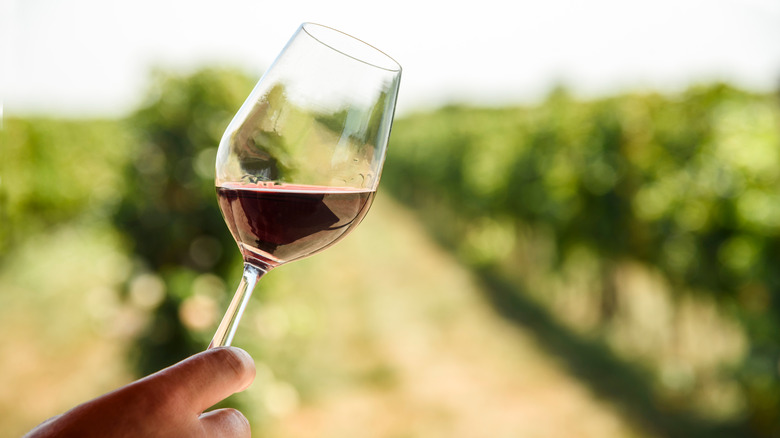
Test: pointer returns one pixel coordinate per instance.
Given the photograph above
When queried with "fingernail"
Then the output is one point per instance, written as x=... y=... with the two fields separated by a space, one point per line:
x=242 y=354
x=248 y=361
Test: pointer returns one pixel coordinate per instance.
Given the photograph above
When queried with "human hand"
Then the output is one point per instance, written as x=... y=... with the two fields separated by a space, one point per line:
x=169 y=403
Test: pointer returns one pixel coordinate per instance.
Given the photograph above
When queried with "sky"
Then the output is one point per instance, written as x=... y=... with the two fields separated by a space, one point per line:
x=93 y=57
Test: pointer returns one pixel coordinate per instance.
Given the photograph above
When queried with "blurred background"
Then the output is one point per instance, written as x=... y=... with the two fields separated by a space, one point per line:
x=577 y=230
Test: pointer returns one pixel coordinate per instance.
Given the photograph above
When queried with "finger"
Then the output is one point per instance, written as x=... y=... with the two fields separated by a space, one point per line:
x=225 y=423
x=205 y=378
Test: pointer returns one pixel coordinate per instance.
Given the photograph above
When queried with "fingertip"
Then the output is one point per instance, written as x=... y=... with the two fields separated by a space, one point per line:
x=202 y=380
x=239 y=361
x=245 y=358
x=241 y=353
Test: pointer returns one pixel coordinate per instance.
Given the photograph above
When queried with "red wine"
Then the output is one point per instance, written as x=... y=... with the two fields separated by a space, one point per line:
x=274 y=224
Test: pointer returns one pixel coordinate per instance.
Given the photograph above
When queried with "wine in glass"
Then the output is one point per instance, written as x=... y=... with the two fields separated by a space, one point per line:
x=299 y=164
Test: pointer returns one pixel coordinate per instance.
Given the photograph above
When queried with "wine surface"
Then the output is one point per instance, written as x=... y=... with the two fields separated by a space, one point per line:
x=274 y=224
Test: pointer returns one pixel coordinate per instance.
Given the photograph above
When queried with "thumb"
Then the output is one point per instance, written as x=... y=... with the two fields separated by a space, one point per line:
x=225 y=423
x=206 y=378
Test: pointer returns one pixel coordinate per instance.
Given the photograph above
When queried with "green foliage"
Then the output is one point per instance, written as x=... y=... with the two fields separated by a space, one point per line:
x=687 y=184
x=171 y=218
x=54 y=171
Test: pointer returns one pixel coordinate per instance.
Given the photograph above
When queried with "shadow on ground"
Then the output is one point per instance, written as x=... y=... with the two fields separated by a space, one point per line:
x=612 y=379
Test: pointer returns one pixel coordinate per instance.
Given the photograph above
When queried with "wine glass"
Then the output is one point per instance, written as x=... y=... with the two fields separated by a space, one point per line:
x=299 y=164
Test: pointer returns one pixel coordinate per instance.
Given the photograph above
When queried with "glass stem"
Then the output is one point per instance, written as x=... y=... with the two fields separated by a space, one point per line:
x=227 y=328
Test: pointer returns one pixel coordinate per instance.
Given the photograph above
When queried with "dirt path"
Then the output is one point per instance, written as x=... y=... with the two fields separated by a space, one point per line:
x=382 y=336
x=410 y=349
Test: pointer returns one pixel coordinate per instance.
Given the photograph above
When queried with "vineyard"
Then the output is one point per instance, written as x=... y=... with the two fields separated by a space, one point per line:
x=631 y=243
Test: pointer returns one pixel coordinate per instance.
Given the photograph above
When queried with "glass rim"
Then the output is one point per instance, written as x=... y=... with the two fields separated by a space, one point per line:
x=393 y=65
